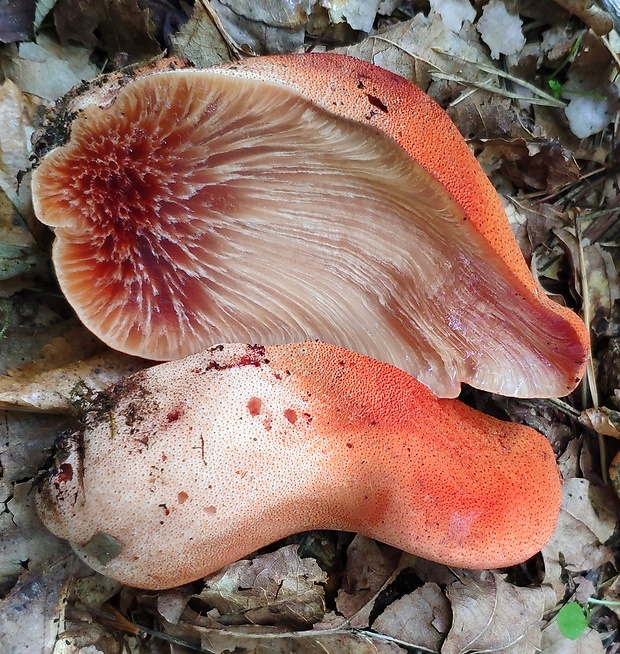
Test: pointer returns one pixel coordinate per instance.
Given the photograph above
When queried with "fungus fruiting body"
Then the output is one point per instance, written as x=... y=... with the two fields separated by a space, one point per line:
x=291 y=198
x=189 y=465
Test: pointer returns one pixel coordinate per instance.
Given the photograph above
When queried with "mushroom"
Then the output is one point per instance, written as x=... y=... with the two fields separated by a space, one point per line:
x=289 y=198
x=189 y=465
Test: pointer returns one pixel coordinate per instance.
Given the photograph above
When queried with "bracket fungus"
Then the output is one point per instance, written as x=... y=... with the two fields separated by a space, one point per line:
x=189 y=465
x=291 y=198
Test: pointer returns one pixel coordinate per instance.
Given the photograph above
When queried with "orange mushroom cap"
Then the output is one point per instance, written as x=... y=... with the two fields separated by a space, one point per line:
x=296 y=197
x=190 y=465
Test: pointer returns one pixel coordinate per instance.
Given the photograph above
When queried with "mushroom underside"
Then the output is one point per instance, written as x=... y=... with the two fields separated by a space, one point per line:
x=181 y=221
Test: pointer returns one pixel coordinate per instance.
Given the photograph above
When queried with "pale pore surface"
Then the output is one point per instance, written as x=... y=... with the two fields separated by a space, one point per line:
x=200 y=209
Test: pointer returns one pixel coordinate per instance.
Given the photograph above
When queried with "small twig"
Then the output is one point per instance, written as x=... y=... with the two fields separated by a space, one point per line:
x=543 y=97
x=564 y=407
x=487 y=86
x=590 y=376
x=109 y=616
x=407 y=52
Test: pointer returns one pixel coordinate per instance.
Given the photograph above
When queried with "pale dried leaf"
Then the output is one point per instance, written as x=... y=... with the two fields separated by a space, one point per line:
x=568 y=461
x=172 y=603
x=418 y=47
x=421 y=618
x=584 y=589
x=46 y=69
x=16 y=112
x=60 y=390
x=278 y=586
x=267 y=27
x=576 y=541
x=32 y=614
x=490 y=614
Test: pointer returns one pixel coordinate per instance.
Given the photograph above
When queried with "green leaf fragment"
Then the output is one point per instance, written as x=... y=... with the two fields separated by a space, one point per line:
x=572 y=621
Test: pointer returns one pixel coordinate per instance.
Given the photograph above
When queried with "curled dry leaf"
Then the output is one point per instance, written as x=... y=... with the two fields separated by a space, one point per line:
x=276 y=588
x=418 y=48
x=421 y=618
x=369 y=566
x=529 y=163
x=490 y=614
x=199 y=40
x=603 y=421
x=577 y=541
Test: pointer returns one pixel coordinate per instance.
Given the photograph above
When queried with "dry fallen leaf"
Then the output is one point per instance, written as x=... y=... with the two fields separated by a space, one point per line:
x=200 y=41
x=369 y=566
x=32 y=614
x=529 y=163
x=61 y=390
x=417 y=48
x=256 y=641
x=421 y=618
x=45 y=69
x=603 y=421
x=277 y=587
x=121 y=28
x=265 y=27
x=490 y=614
x=24 y=542
x=577 y=541
x=553 y=642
